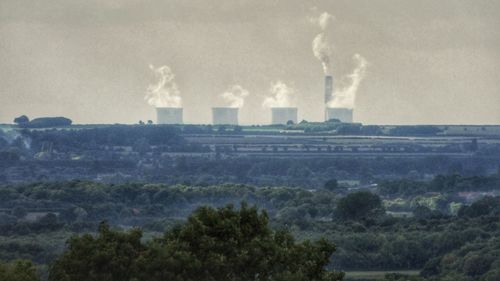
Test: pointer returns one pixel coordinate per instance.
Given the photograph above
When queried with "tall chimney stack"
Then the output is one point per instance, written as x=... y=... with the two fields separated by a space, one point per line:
x=328 y=88
x=328 y=92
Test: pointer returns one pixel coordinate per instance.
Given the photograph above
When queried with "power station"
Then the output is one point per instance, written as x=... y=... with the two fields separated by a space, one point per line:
x=225 y=115
x=169 y=115
x=282 y=115
x=281 y=99
x=279 y=115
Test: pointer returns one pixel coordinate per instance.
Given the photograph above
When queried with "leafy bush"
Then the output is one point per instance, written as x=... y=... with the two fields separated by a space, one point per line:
x=18 y=271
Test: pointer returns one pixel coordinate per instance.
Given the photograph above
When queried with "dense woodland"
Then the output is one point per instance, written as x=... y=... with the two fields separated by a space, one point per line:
x=391 y=227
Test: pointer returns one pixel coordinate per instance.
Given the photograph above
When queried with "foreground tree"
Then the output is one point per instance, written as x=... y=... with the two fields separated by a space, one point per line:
x=110 y=256
x=213 y=245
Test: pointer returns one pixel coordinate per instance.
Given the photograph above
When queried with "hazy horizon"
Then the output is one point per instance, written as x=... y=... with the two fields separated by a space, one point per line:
x=428 y=62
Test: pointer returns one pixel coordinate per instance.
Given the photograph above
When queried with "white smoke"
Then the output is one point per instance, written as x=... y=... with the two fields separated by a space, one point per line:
x=235 y=96
x=324 y=20
x=345 y=96
x=165 y=92
x=281 y=95
x=11 y=136
x=321 y=46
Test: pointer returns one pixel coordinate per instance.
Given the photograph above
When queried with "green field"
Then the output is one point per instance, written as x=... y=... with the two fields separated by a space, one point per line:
x=374 y=275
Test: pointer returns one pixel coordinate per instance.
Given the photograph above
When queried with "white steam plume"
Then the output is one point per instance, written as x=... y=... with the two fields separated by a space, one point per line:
x=235 y=96
x=165 y=92
x=321 y=46
x=11 y=136
x=346 y=96
x=281 y=95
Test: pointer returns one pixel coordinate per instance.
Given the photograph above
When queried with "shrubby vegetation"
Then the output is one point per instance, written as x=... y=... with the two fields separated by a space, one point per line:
x=425 y=236
x=441 y=184
x=336 y=127
x=222 y=244
x=18 y=271
x=421 y=130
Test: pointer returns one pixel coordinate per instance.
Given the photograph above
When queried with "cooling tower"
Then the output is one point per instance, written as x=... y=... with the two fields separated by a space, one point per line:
x=169 y=115
x=342 y=114
x=225 y=115
x=281 y=115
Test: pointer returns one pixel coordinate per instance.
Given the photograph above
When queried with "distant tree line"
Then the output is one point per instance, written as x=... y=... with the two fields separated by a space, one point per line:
x=43 y=122
x=332 y=126
x=117 y=135
x=441 y=183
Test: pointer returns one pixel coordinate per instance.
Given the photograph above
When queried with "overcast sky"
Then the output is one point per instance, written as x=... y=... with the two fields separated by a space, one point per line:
x=429 y=61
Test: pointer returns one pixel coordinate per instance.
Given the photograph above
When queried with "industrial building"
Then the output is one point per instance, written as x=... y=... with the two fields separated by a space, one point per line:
x=169 y=115
x=225 y=115
x=342 y=114
x=282 y=115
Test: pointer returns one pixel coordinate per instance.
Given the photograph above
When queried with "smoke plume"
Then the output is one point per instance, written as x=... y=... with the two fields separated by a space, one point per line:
x=235 y=96
x=281 y=95
x=321 y=46
x=11 y=136
x=165 y=92
x=345 y=96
